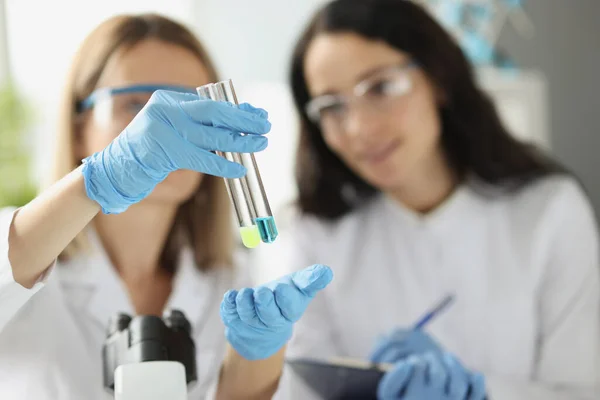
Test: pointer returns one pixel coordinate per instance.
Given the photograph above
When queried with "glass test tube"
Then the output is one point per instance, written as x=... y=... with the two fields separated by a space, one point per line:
x=248 y=229
x=257 y=198
x=248 y=193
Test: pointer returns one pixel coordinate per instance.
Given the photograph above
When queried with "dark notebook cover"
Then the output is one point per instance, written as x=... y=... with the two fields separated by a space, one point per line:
x=340 y=378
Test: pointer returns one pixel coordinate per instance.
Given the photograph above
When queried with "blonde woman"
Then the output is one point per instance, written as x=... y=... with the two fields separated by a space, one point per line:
x=137 y=221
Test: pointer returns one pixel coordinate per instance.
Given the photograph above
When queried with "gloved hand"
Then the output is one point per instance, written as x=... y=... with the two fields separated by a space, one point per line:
x=429 y=376
x=173 y=131
x=259 y=321
x=402 y=343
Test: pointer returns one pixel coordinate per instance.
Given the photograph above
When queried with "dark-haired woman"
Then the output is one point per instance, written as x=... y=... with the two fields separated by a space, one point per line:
x=410 y=188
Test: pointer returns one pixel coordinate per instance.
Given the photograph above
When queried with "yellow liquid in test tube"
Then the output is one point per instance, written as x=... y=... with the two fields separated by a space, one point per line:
x=250 y=236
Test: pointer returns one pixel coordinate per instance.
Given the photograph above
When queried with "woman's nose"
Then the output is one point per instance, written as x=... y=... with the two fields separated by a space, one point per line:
x=361 y=122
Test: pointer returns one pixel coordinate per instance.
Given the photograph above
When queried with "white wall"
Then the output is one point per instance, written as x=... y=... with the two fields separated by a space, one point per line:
x=252 y=40
x=3 y=44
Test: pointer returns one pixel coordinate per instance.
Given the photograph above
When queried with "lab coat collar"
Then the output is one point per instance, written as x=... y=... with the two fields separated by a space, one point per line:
x=442 y=217
x=108 y=295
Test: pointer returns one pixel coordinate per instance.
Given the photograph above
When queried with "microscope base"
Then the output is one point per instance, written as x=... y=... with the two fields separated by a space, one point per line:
x=151 y=380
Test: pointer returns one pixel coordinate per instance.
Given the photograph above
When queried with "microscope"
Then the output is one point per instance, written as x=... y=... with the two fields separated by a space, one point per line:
x=148 y=357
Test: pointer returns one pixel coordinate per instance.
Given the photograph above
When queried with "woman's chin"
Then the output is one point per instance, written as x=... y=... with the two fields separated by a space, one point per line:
x=385 y=179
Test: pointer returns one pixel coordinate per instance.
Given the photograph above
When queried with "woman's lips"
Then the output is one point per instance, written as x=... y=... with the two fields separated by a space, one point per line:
x=381 y=153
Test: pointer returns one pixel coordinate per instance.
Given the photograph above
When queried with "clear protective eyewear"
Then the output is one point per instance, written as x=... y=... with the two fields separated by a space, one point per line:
x=377 y=92
x=117 y=106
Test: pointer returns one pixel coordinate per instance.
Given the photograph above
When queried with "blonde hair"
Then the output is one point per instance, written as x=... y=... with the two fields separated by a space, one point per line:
x=204 y=221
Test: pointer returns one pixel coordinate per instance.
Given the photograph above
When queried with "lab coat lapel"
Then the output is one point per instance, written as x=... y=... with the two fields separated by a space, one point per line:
x=109 y=295
x=194 y=292
x=443 y=219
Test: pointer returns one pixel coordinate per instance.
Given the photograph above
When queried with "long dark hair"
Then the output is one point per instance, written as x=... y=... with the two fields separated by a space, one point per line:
x=473 y=137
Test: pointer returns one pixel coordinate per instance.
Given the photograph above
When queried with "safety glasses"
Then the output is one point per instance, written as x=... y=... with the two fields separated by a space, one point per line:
x=376 y=93
x=119 y=105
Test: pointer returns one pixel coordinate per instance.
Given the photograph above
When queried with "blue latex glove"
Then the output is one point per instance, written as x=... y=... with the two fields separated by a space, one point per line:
x=173 y=131
x=429 y=376
x=259 y=321
x=402 y=343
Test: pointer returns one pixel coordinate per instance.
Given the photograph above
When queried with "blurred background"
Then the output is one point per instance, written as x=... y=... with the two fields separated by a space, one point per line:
x=539 y=60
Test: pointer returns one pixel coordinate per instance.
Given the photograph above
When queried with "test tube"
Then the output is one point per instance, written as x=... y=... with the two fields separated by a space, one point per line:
x=250 y=189
x=235 y=188
x=256 y=190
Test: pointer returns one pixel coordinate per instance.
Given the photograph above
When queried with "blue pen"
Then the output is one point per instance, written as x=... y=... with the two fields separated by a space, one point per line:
x=435 y=311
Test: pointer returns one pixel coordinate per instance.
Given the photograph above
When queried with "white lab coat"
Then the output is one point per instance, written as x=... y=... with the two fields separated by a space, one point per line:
x=51 y=336
x=524 y=269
